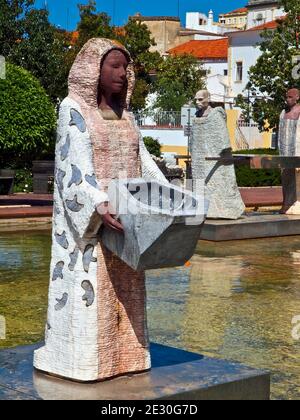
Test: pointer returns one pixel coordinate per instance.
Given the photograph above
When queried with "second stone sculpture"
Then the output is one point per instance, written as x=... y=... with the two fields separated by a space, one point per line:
x=210 y=138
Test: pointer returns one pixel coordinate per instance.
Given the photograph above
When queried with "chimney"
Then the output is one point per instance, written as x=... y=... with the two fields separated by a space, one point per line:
x=210 y=18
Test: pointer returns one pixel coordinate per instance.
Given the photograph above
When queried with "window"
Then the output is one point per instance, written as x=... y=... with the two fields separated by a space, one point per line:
x=225 y=72
x=239 y=71
x=259 y=17
x=229 y=21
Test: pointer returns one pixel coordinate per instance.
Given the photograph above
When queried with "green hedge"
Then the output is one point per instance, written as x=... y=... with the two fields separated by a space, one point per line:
x=27 y=118
x=153 y=146
x=23 y=181
x=257 y=152
x=247 y=177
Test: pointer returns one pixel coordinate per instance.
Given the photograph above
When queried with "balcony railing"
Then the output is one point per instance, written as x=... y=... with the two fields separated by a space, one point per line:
x=163 y=119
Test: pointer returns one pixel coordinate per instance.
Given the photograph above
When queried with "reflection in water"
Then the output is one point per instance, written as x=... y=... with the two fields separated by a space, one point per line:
x=24 y=274
x=247 y=294
x=167 y=293
x=236 y=301
x=241 y=300
x=212 y=279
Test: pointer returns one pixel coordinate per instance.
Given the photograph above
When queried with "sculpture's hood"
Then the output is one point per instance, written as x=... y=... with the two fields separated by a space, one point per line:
x=85 y=73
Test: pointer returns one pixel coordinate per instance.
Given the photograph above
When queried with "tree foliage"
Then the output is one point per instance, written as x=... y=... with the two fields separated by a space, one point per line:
x=27 y=118
x=27 y=39
x=276 y=70
x=136 y=37
x=178 y=79
x=12 y=19
x=41 y=52
x=153 y=146
x=93 y=24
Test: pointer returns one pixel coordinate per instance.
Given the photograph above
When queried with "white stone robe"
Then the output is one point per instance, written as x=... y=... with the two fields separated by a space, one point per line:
x=71 y=338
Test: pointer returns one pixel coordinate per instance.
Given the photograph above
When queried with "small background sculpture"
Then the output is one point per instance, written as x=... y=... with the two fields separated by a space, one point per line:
x=210 y=138
x=289 y=145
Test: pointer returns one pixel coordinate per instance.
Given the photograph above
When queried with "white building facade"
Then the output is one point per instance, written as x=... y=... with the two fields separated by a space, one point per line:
x=262 y=11
x=244 y=50
x=200 y=22
x=217 y=79
x=243 y=53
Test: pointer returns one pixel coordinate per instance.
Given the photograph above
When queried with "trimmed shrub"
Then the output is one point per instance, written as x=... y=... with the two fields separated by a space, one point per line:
x=247 y=177
x=257 y=152
x=27 y=118
x=153 y=146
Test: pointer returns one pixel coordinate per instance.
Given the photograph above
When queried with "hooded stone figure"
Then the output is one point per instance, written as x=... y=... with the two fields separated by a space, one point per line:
x=96 y=326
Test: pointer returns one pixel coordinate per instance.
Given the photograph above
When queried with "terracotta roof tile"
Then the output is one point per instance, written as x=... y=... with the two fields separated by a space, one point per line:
x=269 y=25
x=210 y=49
x=236 y=11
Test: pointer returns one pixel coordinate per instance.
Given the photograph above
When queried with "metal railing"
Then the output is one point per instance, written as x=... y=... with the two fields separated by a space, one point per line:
x=240 y=139
x=171 y=119
x=243 y=123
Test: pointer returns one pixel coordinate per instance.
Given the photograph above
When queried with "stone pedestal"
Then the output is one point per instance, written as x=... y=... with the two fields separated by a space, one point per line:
x=291 y=190
x=251 y=226
x=176 y=375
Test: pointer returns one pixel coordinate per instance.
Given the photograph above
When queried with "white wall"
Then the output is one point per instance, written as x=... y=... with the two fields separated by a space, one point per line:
x=167 y=137
x=214 y=79
x=269 y=14
x=216 y=67
x=192 y=22
x=216 y=88
x=193 y=19
x=243 y=48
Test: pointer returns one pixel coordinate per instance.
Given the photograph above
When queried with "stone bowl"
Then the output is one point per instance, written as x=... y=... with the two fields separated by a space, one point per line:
x=162 y=223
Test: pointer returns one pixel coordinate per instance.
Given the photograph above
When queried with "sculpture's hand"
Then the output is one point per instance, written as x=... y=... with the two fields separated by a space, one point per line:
x=108 y=218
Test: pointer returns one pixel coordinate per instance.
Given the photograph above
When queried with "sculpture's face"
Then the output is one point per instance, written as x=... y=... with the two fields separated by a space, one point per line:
x=202 y=99
x=113 y=77
x=292 y=97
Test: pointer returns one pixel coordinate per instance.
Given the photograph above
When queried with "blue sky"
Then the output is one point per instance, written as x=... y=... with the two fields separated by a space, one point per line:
x=65 y=12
